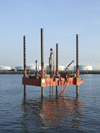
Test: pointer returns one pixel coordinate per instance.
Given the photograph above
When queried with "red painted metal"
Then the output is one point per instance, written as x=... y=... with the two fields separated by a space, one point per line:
x=43 y=82
x=77 y=72
x=42 y=72
x=57 y=72
x=24 y=72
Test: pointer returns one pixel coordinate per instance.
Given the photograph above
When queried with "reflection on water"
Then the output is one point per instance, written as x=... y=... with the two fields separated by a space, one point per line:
x=51 y=113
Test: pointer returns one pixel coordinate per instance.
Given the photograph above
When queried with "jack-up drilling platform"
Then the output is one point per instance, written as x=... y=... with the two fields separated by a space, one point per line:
x=54 y=78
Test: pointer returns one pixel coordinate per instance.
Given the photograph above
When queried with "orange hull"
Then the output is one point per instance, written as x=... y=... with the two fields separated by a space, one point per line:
x=43 y=82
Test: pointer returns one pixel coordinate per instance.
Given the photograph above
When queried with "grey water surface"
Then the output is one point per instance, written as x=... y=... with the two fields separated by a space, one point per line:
x=19 y=114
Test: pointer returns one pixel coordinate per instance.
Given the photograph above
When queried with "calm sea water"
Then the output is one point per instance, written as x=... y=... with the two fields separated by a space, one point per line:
x=53 y=113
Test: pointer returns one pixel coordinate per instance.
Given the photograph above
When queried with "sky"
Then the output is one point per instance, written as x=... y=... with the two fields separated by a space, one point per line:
x=61 y=20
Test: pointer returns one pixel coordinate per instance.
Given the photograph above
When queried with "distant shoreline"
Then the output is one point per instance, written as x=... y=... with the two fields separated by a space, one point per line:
x=68 y=71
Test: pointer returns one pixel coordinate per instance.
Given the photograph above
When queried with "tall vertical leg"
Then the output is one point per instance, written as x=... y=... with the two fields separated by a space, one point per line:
x=50 y=90
x=42 y=103
x=24 y=89
x=42 y=62
x=42 y=92
x=56 y=90
x=77 y=91
x=77 y=56
x=77 y=64
x=24 y=49
x=57 y=59
x=57 y=66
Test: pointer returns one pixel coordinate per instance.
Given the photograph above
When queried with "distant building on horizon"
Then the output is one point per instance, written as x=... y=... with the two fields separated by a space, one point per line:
x=60 y=67
x=19 y=68
x=83 y=67
x=5 y=68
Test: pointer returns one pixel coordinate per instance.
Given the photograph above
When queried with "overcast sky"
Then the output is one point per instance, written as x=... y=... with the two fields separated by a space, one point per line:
x=61 y=21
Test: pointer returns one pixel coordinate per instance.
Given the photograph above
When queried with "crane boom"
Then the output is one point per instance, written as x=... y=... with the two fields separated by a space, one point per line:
x=69 y=65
